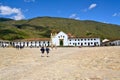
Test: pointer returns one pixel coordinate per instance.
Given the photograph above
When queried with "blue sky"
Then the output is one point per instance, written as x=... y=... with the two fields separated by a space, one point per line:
x=107 y=11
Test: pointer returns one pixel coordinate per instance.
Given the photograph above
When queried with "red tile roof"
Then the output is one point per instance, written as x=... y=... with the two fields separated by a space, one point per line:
x=35 y=39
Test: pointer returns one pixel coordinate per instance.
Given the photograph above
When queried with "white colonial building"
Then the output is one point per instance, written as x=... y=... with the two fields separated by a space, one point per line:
x=111 y=43
x=62 y=39
x=56 y=39
x=34 y=42
x=4 y=43
x=115 y=43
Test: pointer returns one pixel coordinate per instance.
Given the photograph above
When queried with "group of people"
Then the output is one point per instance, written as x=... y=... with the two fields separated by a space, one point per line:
x=44 y=49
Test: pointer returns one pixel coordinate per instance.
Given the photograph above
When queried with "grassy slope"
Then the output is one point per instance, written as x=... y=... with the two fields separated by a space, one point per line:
x=42 y=26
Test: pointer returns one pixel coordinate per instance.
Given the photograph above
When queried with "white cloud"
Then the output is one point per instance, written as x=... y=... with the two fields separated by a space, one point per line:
x=116 y=14
x=18 y=17
x=6 y=10
x=29 y=0
x=89 y=8
x=106 y=22
x=74 y=16
x=77 y=18
x=92 y=6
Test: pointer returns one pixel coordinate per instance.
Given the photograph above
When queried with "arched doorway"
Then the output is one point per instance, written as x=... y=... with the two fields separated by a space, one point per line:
x=61 y=42
x=75 y=44
x=88 y=44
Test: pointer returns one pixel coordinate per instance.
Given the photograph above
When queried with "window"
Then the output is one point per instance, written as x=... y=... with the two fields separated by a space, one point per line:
x=63 y=36
x=70 y=40
x=85 y=39
x=81 y=39
x=94 y=39
x=81 y=44
x=78 y=40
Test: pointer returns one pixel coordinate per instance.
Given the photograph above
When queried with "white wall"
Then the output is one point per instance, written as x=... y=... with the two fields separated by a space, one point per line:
x=74 y=41
x=55 y=40
x=84 y=42
x=31 y=43
x=4 y=43
x=57 y=37
x=116 y=42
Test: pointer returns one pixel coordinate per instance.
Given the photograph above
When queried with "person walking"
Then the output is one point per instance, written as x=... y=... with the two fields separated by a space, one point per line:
x=42 y=51
x=47 y=50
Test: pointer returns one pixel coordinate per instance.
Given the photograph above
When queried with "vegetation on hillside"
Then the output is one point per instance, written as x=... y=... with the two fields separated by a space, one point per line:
x=42 y=27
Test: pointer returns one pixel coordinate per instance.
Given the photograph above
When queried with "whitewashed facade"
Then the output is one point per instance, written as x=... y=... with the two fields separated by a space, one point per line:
x=4 y=43
x=62 y=39
x=114 y=43
x=84 y=41
x=32 y=42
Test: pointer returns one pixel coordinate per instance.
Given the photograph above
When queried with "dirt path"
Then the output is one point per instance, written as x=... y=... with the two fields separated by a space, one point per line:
x=99 y=63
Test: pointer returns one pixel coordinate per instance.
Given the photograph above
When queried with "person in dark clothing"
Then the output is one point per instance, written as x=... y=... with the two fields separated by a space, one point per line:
x=47 y=50
x=42 y=50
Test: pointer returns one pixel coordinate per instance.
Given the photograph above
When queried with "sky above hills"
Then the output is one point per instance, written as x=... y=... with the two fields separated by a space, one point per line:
x=106 y=11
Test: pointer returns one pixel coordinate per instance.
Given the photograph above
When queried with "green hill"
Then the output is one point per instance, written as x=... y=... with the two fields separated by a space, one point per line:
x=41 y=27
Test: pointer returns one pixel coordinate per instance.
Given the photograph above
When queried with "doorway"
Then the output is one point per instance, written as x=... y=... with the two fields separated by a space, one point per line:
x=61 y=42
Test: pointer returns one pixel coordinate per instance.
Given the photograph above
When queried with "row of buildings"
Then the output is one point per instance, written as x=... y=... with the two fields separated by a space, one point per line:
x=56 y=39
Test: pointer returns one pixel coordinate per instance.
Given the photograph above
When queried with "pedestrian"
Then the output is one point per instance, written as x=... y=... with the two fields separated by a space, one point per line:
x=47 y=50
x=42 y=51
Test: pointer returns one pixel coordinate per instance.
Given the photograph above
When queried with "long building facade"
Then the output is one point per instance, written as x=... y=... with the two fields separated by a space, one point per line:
x=62 y=39
x=56 y=39
x=4 y=43
x=38 y=42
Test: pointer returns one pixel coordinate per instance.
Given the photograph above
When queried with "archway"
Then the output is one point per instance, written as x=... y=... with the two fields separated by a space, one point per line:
x=61 y=42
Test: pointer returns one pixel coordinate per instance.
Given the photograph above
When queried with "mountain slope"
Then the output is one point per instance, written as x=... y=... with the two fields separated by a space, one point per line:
x=43 y=26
